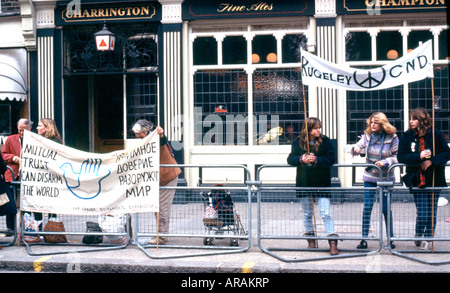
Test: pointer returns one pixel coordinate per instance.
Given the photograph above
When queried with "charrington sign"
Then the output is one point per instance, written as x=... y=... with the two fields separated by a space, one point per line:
x=89 y=13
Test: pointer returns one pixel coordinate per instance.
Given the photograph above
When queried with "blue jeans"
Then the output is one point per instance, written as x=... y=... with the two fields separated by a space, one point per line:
x=426 y=213
x=325 y=213
x=369 y=199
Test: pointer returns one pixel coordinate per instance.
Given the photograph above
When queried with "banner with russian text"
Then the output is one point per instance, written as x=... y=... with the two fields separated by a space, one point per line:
x=414 y=66
x=62 y=180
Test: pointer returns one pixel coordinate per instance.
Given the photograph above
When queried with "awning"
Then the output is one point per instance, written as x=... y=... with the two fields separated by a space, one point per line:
x=13 y=74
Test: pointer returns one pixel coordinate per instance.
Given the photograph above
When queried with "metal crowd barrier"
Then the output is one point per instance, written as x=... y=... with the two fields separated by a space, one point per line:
x=410 y=244
x=190 y=233
x=7 y=239
x=81 y=233
x=281 y=232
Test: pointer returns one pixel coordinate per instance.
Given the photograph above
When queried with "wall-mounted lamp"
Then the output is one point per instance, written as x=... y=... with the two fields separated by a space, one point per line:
x=255 y=58
x=104 y=39
x=392 y=54
x=271 y=57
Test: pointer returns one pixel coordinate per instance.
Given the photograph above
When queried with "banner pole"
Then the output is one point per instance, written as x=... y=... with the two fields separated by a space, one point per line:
x=157 y=231
x=434 y=149
x=307 y=147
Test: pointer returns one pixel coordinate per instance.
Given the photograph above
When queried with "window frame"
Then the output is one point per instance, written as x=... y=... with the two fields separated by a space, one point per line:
x=248 y=32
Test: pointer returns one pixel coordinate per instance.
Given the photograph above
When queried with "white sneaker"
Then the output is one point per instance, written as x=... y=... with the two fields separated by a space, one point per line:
x=425 y=245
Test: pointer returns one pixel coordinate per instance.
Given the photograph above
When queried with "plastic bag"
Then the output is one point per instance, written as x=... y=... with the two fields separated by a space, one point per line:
x=31 y=225
x=114 y=224
x=210 y=216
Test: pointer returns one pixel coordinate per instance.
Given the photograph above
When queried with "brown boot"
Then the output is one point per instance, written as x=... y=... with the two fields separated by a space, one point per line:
x=333 y=245
x=312 y=243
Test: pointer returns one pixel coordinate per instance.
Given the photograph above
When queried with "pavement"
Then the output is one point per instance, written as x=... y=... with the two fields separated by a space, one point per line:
x=188 y=254
x=162 y=259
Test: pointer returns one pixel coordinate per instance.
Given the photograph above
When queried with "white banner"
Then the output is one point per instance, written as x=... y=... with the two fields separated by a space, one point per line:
x=416 y=65
x=62 y=180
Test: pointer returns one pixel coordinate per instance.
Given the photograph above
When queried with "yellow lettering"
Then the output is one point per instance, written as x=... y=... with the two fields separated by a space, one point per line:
x=227 y=7
x=145 y=10
x=94 y=13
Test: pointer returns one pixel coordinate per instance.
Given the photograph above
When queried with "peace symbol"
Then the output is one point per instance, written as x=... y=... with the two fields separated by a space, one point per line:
x=370 y=82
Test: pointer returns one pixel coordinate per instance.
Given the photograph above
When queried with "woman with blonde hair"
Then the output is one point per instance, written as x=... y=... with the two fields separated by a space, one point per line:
x=381 y=144
x=47 y=128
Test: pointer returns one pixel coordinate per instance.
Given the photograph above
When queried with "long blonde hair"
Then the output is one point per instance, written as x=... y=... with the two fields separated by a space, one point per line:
x=52 y=130
x=380 y=118
x=305 y=134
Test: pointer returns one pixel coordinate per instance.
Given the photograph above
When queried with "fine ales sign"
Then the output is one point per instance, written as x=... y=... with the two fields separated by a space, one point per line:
x=198 y=9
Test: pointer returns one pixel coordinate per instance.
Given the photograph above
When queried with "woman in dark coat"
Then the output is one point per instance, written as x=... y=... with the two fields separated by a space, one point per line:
x=313 y=154
x=416 y=150
x=8 y=209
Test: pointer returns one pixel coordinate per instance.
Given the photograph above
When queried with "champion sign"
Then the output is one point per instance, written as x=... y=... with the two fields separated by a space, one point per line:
x=416 y=65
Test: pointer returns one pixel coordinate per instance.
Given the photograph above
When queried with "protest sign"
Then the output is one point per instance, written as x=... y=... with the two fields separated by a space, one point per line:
x=414 y=66
x=62 y=180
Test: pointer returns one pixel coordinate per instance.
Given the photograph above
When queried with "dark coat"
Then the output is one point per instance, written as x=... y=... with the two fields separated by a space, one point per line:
x=317 y=175
x=409 y=154
x=8 y=208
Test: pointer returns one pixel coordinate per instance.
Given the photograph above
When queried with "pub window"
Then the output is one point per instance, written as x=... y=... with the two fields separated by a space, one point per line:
x=222 y=97
x=362 y=104
x=142 y=99
x=265 y=48
x=389 y=45
x=420 y=95
x=205 y=51
x=291 y=45
x=277 y=104
x=234 y=50
x=358 y=46
x=443 y=45
x=416 y=38
x=220 y=106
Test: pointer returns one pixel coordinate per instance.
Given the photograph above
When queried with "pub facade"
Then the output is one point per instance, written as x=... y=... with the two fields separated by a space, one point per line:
x=223 y=78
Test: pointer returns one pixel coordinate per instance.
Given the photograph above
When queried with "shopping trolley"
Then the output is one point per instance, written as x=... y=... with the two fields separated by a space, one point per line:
x=221 y=216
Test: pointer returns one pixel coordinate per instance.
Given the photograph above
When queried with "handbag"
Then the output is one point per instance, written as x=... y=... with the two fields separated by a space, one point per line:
x=30 y=225
x=54 y=225
x=92 y=239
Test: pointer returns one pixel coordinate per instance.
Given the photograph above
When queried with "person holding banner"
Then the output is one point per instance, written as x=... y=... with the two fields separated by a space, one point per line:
x=380 y=144
x=48 y=129
x=11 y=155
x=168 y=176
x=425 y=153
x=313 y=154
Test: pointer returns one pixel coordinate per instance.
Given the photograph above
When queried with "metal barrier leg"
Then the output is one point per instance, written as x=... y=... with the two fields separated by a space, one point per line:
x=281 y=235
x=422 y=227
x=71 y=238
x=189 y=232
